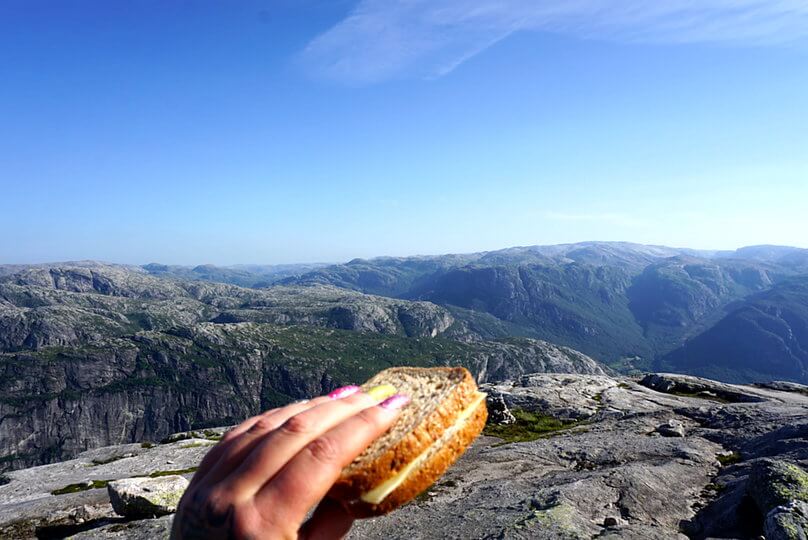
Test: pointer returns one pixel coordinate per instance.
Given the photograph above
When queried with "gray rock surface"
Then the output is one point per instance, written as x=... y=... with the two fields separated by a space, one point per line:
x=568 y=396
x=788 y=522
x=784 y=386
x=28 y=502
x=149 y=529
x=144 y=497
x=698 y=387
x=607 y=475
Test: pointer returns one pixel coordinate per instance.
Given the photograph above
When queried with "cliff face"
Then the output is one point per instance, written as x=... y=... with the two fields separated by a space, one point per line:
x=581 y=306
x=766 y=333
x=58 y=401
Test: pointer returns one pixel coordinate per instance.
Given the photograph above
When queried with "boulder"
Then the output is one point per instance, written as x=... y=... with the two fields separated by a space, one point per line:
x=146 y=497
x=788 y=522
x=671 y=428
x=498 y=411
x=775 y=483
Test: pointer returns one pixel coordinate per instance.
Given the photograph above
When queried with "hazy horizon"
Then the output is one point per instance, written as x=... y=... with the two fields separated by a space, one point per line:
x=295 y=132
x=314 y=261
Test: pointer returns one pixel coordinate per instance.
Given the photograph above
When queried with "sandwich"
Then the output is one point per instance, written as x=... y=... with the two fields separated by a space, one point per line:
x=445 y=414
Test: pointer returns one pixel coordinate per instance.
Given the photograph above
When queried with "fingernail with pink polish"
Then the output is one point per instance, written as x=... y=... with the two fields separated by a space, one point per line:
x=395 y=402
x=345 y=391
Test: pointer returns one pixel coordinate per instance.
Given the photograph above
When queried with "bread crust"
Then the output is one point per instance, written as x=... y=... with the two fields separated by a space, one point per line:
x=425 y=475
x=355 y=481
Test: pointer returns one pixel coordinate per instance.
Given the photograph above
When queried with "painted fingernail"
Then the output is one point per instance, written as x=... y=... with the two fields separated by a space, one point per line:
x=383 y=391
x=345 y=391
x=395 y=402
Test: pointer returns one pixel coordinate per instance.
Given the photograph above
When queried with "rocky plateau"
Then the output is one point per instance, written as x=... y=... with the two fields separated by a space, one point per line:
x=93 y=355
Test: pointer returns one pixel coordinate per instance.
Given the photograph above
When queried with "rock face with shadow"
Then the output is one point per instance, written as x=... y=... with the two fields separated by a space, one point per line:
x=582 y=458
x=55 y=404
x=93 y=355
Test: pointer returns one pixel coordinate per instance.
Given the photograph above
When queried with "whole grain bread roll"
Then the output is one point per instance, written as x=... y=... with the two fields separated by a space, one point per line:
x=445 y=414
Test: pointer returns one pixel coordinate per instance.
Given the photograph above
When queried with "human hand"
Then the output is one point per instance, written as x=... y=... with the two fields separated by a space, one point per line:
x=263 y=477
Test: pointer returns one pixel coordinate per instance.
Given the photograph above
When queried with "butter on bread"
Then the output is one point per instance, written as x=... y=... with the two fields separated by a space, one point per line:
x=445 y=414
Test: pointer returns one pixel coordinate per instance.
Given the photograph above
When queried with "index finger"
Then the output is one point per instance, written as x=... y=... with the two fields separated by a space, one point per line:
x=241 y=438
x=307 y=477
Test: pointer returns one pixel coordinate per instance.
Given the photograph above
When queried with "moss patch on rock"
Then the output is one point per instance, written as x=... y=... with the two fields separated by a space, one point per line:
x=197 y=444
x=775 y=483
x=529 y=426
x=111 y=459
x=157 y=474
x=793 y=484
x=81 y=486
x=207 y=434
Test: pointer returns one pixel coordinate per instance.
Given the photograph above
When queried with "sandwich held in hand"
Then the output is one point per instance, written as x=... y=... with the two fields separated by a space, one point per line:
x=445 y=414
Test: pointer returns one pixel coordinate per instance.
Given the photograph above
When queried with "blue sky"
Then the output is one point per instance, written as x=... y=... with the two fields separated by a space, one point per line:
x=295 y=131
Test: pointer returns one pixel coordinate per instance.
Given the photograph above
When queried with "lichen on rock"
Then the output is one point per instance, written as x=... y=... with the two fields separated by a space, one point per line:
x=778 y=483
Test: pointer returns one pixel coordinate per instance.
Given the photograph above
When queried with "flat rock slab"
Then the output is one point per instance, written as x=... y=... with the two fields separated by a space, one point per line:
x=145 y=529
x=733 y=393
x=63 y=494
x=564 y=396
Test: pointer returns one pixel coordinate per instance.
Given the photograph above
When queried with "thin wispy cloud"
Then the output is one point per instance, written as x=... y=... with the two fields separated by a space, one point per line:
x=384 y=39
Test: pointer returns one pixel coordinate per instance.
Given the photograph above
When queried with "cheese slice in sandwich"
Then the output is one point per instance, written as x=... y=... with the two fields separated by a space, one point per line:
x=445 y=414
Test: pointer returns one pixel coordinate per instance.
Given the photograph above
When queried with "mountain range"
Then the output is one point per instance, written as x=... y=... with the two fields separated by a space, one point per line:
x=631 y=306
x=94 y=354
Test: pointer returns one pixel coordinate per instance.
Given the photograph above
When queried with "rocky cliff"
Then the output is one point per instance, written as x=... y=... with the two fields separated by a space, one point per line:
x=766 y=333
x=58 y=401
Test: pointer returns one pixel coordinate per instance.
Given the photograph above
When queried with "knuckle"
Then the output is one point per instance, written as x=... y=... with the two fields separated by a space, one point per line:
x=218 y=499
x=299 y=424
x=262 y=425
x=369 y=419
x=324 y=449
